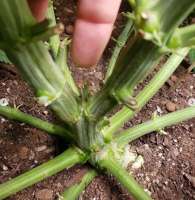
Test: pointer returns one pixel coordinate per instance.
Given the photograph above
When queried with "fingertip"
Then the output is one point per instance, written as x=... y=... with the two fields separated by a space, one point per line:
x=93 y=29
x=89 y=42
x=38 y=8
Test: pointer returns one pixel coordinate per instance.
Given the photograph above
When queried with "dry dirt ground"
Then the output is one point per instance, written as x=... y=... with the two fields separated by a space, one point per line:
x=169 y=160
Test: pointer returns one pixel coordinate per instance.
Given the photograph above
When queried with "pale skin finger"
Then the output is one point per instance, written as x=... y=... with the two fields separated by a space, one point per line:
x=93 y=28
x=38 y=8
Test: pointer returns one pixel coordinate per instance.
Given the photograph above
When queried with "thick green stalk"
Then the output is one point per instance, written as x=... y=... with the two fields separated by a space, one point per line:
x=108 y=161
x=87 y=136
x=172 y=14
x=117 y=120
x=127 y=73
x=46 y=78
x=54 y=41
x=62 y=61
x=74 y=191
x=157 y=20
x=15 y=25
x=46 y=33
x=156 y=124
x=17 y=115
x=138 y=59
x=182 y=37
x=60 y=50
x=34 y=61
x=67 y=159
x=120 y=43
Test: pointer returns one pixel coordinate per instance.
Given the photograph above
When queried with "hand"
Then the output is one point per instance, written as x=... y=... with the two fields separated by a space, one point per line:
x=93 y=27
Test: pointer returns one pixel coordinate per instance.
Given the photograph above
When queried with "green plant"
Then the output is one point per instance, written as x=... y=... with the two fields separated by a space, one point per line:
x=150 y=33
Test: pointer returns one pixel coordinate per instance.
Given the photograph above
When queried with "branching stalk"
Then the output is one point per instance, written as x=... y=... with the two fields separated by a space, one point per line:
x=17 y=115
x=54 y=41
x=74 y=191
x=59 y=50
x=67 y=159
x=128 y=72
x=47 y=33
x=117 y=120
x=156 y=124
x=108 y=162
x=183 y=37
x=21 y=39
x=34 y=61
x=61 y=60
x=120 y=43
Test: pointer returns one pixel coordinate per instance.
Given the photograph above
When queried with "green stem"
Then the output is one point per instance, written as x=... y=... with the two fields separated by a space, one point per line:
x=16 y=18
x=35 y=62
x=67 y=159
x=157 y=20
x=60 y=50
x=126 y=75
x=146 y=94
x=74 y=191
x=46 y=78
x=139 y=57
x=109 y=163
x=183 y=37
x=122 y=39
x=156 y=124
x=17 y=115
x=61 y=60
x=87 y=136
x=4 y=58
x=47 y=33
x=54 y=41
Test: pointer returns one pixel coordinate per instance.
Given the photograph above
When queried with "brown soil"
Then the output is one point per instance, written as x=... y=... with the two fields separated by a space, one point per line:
x=169 y=159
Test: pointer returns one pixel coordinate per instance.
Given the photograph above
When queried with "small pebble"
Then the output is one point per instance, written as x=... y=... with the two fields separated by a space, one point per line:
x=147 y=191
x=3 y=120
x=160 y=155
x=23 y=153
x=191 y=102
x=174 y=78
x=99 y=75
x=41 y=148
x=8 y=90
x=159 y=110
x=45 y=112
x=4 y=102
x=170 y=83
x=170 y=106
x=138 y=162
x=32 y=155
x=5 y=168
x=166 y=182
x=44 y=194
x=191 y=87
x=175 y=140
x=173 y=164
